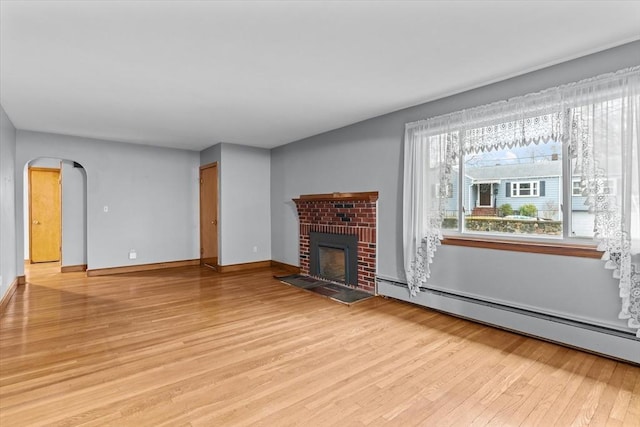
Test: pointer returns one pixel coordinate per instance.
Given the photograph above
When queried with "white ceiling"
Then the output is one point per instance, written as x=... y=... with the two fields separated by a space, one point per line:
x=191 y=74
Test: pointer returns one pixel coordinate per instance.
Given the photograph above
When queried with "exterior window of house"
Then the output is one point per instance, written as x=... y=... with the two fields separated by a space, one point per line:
x=447 y=194
x=582 y=221
x=576 y=189
x=525 y=189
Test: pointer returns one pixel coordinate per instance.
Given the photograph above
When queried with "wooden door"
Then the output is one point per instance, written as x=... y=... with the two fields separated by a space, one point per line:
x=44 y=215
x=209 y=215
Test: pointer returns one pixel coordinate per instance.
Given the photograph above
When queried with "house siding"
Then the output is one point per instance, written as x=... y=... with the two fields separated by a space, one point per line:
x=549 y=203
x=452 y=199
x=579 y=204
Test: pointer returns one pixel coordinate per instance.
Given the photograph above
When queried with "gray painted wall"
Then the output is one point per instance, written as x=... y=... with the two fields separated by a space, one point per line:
x=151 y=194
x=367 y=156
x=246 y=209
x=244 y=224
x=211 y=155
x=8 y=241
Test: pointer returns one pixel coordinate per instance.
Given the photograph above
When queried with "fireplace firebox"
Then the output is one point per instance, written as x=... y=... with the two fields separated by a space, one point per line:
x=334 y=257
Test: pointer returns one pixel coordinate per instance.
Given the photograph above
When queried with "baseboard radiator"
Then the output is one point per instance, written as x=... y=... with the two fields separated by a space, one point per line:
x=597 y=339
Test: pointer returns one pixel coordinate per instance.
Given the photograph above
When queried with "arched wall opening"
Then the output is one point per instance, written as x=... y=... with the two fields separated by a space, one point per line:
x=73 y=202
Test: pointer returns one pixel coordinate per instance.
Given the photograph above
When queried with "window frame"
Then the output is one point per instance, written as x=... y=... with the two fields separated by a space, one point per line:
x=448 y=193
x=565 y=248
x=516 y=188
x=574 y=188
x=564 y=244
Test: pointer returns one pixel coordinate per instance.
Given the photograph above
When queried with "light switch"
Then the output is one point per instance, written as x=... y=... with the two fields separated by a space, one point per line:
x=106 y=208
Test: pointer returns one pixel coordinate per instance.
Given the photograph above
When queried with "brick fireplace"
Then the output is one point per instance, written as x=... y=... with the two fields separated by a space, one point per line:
x=340 y=214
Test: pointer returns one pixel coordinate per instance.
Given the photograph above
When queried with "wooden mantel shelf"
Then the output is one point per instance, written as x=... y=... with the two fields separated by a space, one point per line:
x=369 y=196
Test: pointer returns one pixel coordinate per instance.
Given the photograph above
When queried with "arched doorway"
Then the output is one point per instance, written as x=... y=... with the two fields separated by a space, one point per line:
x=73 y=212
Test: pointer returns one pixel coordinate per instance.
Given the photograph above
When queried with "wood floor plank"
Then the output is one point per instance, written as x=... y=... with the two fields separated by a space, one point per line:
x=190 y=346
x=632 y=416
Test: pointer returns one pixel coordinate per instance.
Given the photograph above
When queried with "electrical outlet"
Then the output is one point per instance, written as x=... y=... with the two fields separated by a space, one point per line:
x=255 y=249
x=133 y=254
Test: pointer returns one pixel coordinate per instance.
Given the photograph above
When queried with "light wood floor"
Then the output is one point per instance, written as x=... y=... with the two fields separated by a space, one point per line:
x=194 y=347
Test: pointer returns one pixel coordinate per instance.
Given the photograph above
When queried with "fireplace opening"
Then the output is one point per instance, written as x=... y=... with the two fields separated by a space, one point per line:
x=332 y=263
x=334 y=257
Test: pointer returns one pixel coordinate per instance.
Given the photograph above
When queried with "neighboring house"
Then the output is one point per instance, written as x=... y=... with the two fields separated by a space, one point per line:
x=520 y=184
x=538 y=184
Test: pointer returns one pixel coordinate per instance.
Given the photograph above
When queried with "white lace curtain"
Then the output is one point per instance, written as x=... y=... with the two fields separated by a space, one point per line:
x=599 y=120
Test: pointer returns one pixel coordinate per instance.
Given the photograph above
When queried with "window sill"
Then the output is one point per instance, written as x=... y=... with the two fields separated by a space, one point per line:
x=564 y=249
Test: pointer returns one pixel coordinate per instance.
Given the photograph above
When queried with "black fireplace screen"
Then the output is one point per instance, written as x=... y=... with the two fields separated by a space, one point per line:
x=331 y=263
x=334 y=257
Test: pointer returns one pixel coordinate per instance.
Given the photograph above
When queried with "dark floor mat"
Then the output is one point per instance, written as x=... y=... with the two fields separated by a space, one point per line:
x=302 y=281
x=351 y=296
x=336 y=292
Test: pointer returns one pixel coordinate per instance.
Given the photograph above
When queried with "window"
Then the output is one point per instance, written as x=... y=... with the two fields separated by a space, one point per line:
x=515 y=191
x=597 y=123
x=576 y=188
x=448 y=193
x=525 y=189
